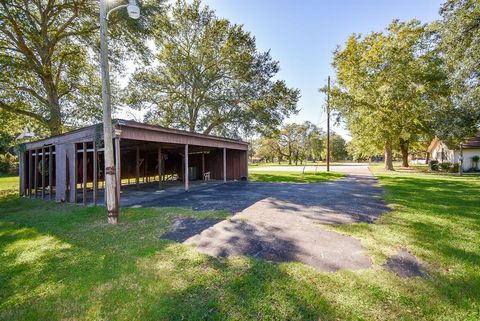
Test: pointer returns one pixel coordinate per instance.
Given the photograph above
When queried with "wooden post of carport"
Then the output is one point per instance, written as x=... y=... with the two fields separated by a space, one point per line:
x=145 y=169
x=75 y=173
x=137 y=167
x=50 y=173
x=203 y=164
x=35 y=172
x=246 y=164
x=30 y=175
x=160 y=181
x=43 y=172
x=224 y=165
x=186 y=168
x=84 y=173
x=95 y=173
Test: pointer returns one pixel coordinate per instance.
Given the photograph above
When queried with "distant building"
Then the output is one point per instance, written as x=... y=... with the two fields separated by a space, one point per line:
x=443 y=153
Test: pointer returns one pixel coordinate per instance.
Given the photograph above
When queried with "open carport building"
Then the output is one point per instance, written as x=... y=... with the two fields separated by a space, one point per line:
x=70 y=167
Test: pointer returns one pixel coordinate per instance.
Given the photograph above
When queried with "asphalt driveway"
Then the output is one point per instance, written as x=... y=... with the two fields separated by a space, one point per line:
x=282 y=221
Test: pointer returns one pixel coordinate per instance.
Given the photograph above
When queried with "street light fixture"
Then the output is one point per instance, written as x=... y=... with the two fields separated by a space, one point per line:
x=111 y=195
x=132 y=9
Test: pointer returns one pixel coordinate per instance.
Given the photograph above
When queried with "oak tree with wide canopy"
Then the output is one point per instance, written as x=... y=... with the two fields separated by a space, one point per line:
x=209 y=77
x=389 y=86
x=459 y=41
x=48 y=58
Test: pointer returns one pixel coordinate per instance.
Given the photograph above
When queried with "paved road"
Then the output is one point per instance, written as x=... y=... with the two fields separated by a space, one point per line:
x=282 y=221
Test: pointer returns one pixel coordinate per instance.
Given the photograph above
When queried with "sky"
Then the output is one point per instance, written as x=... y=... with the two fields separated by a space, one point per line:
x=301 y=35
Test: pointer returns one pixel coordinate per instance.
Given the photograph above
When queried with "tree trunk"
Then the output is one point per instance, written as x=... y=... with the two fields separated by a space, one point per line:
x=427 y=158
x=388 y=156
x=289 y=154
x=404 y=150
x=54 y=111
x=55 y=123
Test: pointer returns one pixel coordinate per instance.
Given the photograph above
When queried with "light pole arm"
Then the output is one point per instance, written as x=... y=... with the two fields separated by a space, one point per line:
x=115 y=9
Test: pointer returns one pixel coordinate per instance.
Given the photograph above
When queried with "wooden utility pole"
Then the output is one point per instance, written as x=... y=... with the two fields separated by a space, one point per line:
x=110 y=177
x=328 y=125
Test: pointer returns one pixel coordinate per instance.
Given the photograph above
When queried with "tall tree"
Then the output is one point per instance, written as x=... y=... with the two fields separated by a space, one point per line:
x=339 y=147
x=315 y=141
x=294 y=142
x=209 y=77
x=388 y=86
x=268 y=149
x=48 y=54
x=459 y=31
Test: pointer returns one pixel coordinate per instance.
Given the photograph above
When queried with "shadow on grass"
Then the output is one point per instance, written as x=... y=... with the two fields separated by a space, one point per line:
x=62 y=262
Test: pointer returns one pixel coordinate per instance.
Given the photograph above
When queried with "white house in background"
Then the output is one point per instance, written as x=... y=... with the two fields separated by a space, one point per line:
x=439 y=151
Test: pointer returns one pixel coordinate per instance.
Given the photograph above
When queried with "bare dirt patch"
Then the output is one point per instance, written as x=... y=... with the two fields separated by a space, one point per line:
x=405 y=265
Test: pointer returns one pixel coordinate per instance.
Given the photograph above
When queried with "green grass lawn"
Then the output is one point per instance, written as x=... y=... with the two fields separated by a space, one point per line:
x=65 y=262
x=291 y=177
x=8 y=185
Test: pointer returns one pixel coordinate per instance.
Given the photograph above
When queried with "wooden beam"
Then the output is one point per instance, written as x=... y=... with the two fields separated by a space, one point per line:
x=203 y=165
x=50 y=173
x=95 y=173
x=118 y=167
x=224 y=165
x=43 y=173
x=90 y=150
x=145 y=170
x=246 y=164
x=84 y=174
x=160 y=180
x=186 y=168
x=75 y=173
x=35 y=180
x=137 y=165
x=169 y=136
x=30 y=175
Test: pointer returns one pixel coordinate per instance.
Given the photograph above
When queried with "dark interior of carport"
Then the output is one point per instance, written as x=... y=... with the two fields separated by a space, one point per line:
x=49 y=170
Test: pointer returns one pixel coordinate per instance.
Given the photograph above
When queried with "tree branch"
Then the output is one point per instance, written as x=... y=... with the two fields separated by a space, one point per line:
x=13 y=109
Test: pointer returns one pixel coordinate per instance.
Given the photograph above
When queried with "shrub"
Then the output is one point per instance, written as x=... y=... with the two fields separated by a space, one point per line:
x=455 y=168
x=475 y=160
x=8 y=164
x=433 y=165
x=444 y=167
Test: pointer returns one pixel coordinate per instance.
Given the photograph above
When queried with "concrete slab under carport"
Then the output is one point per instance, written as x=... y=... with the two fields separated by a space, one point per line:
x=149 y=193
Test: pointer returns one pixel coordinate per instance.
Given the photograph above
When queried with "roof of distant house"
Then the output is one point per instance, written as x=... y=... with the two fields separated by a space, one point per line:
x=473 y=142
